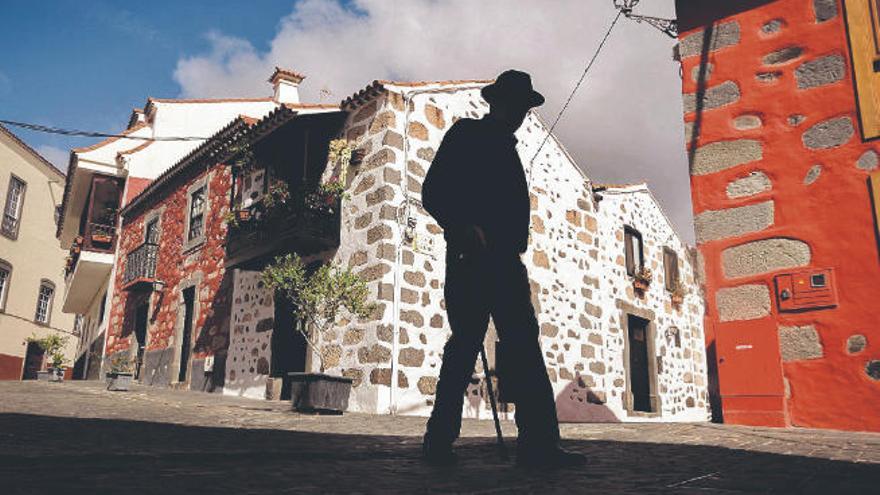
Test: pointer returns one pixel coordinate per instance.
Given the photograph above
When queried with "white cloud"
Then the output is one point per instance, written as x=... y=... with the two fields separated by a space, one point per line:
x=624 y=124
x=56 y=156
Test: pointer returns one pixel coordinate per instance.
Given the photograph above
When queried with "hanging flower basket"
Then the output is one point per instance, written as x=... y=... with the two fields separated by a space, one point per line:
x=642 y=279
x=243 y=215
x=677 y=295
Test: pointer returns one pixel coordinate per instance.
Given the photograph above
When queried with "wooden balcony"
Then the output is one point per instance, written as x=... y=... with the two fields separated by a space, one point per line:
x=302 y=232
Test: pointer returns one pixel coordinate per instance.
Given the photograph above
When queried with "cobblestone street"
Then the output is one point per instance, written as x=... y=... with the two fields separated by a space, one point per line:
x=76 y=437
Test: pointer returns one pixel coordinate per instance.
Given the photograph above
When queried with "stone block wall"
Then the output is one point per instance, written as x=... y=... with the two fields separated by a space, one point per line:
x=678 y=340
x=400 y=131
x=778 y=176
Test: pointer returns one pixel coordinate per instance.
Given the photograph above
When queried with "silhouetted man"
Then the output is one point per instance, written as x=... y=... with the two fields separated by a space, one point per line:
x=476 y=190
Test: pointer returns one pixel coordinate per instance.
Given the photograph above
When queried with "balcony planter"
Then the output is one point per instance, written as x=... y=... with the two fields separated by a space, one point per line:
x=243 y=215
x=319 y=392
x=119 y=381
x=642 y=279
x=102 y=238
x=677 y=294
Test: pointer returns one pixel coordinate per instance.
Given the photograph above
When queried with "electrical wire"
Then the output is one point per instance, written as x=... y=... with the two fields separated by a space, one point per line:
x=576 y=87
x=79 y=133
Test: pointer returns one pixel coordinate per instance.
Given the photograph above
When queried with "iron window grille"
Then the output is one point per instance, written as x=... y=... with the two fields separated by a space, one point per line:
x=196 y=214
x=44 y=302
x=5 y=270
x=635 y=256
x=12 y=211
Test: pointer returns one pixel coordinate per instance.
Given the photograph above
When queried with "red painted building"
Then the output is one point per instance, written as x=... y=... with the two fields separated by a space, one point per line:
x=781 y=120
x=176 y=234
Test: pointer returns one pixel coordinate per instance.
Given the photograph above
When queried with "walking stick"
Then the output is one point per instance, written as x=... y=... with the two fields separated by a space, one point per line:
x=502 y=451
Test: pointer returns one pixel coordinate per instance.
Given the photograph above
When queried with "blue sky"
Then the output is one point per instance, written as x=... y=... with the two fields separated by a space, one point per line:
x=86 y=64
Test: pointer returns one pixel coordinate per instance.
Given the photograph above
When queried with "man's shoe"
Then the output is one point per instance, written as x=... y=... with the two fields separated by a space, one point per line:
x=438 y=455
x=548 y=458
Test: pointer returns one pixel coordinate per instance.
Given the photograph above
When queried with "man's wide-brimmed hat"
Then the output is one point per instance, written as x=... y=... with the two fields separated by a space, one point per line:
x=513 y=87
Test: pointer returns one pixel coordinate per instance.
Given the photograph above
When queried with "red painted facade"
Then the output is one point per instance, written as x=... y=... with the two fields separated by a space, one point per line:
x=201 y=266
x=830 y=212
x=10 y=367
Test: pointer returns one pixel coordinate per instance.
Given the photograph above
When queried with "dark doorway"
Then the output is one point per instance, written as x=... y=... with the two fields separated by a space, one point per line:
x=189 y=299
x=93 y=370
x=140 y=332
x=639 y=375
x=79 y=367
x=33 y=361
x=289 y=347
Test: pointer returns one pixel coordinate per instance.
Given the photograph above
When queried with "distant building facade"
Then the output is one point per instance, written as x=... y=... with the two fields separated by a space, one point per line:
x=103 y=177
x=31 y=263
x=198 y=308
x=781 y=118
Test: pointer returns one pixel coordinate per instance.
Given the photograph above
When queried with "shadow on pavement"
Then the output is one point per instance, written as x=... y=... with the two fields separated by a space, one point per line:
x=40 y=454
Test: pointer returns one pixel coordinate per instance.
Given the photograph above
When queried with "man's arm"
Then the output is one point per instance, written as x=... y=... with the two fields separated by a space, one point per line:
x=446 y=174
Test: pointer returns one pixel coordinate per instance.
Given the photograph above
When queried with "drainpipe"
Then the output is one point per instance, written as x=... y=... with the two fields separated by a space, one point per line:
x=402 y=225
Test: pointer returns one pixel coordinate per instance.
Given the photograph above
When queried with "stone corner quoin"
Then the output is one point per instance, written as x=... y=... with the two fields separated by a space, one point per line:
x=722 y=155
x=744 y=302
x=713 y=225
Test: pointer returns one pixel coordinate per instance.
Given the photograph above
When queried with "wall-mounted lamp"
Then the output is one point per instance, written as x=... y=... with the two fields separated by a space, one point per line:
x=158 y=285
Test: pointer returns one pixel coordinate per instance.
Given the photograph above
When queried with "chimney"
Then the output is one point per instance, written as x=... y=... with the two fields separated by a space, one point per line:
x=285 y=84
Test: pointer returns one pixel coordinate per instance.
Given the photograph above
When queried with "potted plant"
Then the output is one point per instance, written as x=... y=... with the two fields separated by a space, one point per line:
x=52 y=345
x=319 y=299
x=678 y=293
x=120 y=375
x=642 y=279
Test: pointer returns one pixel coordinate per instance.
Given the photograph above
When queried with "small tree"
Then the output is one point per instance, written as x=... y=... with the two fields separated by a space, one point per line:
x=318 y=299
x=52 y=344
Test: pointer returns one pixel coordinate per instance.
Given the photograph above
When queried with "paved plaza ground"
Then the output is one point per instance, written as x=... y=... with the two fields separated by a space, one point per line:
x=77 y=437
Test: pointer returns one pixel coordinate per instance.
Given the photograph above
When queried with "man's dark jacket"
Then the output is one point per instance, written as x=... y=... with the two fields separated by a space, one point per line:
x=477 y=178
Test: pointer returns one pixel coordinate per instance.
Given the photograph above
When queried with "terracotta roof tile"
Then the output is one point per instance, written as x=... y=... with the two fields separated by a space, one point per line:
x=207 y=100
x=377 y=86
x=285 y=74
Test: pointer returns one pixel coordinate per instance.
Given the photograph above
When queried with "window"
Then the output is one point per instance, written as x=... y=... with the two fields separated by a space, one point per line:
x=44 y=302
x=863 y=31
x=5 y=272
x=635 y=256
x=12 y=211
x=670 y=268
x=151 y=236
x=196 y=215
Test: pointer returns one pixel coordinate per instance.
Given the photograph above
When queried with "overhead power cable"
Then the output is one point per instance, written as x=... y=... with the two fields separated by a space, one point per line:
x=576 y=87
x=79 y=133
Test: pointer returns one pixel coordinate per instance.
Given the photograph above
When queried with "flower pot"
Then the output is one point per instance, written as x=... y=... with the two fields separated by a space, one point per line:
x=119 y=381
x=56 y=374
x=317 y=392
x=640 y=285
x=677 y=300
x=43 y=376
x=243 y=215
x=101 y=238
